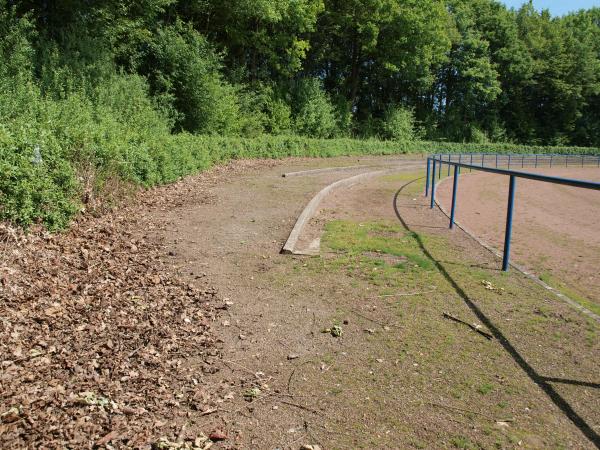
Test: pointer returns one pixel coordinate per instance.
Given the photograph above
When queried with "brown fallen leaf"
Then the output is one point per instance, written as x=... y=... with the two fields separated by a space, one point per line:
x=217 y=435
x=108 y=437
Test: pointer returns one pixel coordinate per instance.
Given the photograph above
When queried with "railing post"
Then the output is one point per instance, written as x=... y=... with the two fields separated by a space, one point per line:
x=582 y=157
x=427 y=178
x=496 y=160
x=509 y=222
x=551 y=159
x=471 y=170
x=522 y=161
x=482 y=159
x=509 y=160
x=454 y=196
x=433 y=183
x=449 y=159
x=536 y=158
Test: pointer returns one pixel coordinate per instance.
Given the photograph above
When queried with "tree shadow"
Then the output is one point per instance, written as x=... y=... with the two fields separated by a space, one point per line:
x=541 y=381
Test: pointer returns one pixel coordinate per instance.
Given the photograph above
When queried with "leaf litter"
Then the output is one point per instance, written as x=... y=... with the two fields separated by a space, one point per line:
x=96 y=331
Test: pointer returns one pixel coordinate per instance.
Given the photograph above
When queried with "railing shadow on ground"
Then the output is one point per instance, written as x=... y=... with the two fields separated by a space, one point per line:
x=539 y=380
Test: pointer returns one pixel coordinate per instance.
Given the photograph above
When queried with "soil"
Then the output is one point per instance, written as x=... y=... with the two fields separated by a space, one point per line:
x=555 y=227
x=401 y=375
x=228 y=342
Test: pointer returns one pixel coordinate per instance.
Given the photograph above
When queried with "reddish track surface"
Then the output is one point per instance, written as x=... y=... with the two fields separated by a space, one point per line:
x=555 y=227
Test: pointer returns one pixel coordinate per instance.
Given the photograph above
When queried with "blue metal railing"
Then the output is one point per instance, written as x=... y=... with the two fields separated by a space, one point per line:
x=511 y=160
x=478 y=162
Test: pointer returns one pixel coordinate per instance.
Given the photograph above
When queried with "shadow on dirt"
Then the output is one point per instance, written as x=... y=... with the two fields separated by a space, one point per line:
x=541 y=381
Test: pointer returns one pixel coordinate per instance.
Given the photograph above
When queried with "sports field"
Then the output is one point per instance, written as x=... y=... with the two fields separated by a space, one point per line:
x=555 y=230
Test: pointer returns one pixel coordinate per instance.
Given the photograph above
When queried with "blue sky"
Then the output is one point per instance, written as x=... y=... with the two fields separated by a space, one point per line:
x=556 y=7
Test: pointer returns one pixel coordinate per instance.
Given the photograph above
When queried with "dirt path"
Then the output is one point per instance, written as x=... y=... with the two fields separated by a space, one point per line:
x=400 y=376
x=555 y=227
x=272 y=328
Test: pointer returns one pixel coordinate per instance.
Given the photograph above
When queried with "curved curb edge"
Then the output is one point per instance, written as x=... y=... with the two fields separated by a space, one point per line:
x=324 y=170
x=309 y=211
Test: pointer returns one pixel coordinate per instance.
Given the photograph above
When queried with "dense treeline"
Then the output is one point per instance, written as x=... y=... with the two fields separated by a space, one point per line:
x=469 y=70
x=93 y=91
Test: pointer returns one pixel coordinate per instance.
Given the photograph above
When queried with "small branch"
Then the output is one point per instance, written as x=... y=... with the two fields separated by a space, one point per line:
x=209 y=411
x=466 y=411
x=368 y=318
x=227 y=363
x=476 y=328
x=305 y=408
x=407 y=294
x=289 y=383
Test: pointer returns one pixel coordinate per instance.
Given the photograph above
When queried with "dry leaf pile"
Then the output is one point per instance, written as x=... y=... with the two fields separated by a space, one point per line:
x=99 y=343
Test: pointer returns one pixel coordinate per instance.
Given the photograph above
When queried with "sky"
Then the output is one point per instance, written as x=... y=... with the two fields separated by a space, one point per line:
x=556 y=7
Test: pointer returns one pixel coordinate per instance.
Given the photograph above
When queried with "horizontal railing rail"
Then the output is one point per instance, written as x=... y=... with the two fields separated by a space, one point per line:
x=520 y=160
x=492 y=163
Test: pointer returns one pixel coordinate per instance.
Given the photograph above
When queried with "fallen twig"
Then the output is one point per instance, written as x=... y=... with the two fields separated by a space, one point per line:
x=368 y=318
x=289 y=383
x=227 y=363
x=181 y=434
x=476 y=328
x=108 y=437
x=407 y=294
x=466 y=411
x=305 y=408
x=28 y=357
x=209 y=411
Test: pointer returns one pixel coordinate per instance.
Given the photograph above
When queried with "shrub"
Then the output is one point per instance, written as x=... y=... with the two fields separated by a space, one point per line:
x=399 y=125
x=181 y=64
x=263 y=111
x=314 y=114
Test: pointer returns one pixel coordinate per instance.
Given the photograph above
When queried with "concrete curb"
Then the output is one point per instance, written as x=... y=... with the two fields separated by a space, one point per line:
x=532 y=276
x=310 y=209
x=302 y=173
x=410 y=164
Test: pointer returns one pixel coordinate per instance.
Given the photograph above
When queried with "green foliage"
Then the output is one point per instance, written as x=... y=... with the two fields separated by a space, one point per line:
x=143 y=93
x=263 y=111
x=314 y=114
x=399 y=125
x=181 y=64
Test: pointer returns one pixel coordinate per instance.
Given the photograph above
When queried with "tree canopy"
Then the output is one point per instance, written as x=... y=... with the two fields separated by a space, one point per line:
x=459 y=70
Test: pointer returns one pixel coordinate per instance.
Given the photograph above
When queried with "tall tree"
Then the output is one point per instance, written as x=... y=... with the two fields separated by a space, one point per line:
x=469 y=82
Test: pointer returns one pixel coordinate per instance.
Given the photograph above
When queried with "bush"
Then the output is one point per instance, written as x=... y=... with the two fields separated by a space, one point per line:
x=182 y=65
x=263 y=111
x=399 y=125
x=66 y=136
x=314 y=114
x=478 y=136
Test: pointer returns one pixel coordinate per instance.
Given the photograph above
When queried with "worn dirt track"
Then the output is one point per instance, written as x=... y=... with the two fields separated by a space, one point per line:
x=272 y=328
x=175 y=318
x=284 y=384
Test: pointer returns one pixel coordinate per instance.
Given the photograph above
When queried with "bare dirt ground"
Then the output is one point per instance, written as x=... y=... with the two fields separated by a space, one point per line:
x=228 y=342
x=401 y=375
x=555 y=227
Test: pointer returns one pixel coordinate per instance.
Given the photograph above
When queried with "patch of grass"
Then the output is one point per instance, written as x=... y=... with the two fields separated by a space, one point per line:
x=382 y=254
x=421 y=344
x=355 y=239
x=462 y=442
x=485 y=388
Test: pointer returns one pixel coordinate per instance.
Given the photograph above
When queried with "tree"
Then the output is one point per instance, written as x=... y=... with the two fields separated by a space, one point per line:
x=468 y=82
